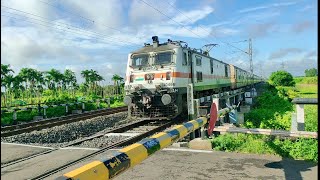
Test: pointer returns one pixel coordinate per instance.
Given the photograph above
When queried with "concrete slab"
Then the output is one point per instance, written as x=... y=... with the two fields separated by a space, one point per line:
x=12 y=151
x=40 y=164
x=181 y=164
x=200 y=144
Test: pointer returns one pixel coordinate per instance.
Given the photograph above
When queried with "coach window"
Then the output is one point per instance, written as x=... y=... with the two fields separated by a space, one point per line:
x=199 y=76
x=140 y=60
x=163 y=58
x=198 y=60
x=226 y=70
x=211 y=65
x=184 y=60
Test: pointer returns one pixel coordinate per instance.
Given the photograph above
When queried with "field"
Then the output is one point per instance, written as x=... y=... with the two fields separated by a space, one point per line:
x=273 y=111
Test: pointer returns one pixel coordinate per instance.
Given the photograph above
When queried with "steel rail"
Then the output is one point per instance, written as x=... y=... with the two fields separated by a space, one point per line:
x=38 y=125
x=114 y=145
x=121 y=129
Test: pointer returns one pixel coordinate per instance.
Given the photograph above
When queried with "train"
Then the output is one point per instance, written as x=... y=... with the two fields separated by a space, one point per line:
x=157 y=76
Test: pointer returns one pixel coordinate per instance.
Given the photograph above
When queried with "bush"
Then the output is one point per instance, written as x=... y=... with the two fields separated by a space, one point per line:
x=301 y=148
x=281 y=78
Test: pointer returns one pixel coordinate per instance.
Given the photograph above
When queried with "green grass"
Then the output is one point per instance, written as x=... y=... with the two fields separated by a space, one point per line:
x=306 y=80
x=273 y=110
x=300 y=149
x=7 y=118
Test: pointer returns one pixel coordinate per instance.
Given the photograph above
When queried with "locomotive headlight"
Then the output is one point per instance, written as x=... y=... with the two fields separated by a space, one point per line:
x=131 y=78
x=166 y=99
x=149 y=76
x=168 y=75
x=127 y=100
x=152 y=76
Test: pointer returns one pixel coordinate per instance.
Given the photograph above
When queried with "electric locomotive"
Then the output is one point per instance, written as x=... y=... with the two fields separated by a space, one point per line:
x=158 y=74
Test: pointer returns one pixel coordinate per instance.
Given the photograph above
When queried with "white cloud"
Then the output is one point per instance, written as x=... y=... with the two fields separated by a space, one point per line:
x=190 y=17
x=267 y=6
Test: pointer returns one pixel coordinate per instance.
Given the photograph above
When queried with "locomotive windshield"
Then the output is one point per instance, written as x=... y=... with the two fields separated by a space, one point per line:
x=163 y=58
x=140 y=60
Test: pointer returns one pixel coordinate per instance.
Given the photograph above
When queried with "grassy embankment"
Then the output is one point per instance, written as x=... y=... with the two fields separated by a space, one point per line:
x=7 y=117
x=273 y=111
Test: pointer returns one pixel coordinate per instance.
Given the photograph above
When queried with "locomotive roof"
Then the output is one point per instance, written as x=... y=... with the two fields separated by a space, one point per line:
x=150 y=48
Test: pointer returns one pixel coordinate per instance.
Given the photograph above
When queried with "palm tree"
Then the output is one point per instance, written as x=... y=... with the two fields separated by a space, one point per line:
x=91 y=78
x=5 y=71
x=5 y=79
x=31 y=77
x=53 y=78
x=70 y=80
x=117 y=79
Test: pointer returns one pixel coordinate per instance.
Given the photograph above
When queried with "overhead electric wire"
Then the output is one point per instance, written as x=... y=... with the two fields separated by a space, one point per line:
x=94 y=21
x=62 y=29
x=206 y=30
x=75 y=14
x=173 y=20
x=65 y=24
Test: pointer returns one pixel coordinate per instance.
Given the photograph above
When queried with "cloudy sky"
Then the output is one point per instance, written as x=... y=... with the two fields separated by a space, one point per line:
x=98 y=34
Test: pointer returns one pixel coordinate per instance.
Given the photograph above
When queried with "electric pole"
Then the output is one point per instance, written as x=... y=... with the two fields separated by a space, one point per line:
x=282 y=65
x=251 y=63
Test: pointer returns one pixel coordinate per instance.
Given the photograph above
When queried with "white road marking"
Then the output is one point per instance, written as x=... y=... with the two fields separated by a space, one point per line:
x=28 y=145
x=187 y=150
x=82 y=148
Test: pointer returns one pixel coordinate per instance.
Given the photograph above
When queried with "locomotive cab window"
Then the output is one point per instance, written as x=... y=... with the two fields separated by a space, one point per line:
x=163 y=58
x=198 y=60
x=211 y=66
x=140 y=60
x=184 y=59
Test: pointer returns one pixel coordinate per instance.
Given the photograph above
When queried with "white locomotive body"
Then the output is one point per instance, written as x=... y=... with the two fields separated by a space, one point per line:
x=157 y=77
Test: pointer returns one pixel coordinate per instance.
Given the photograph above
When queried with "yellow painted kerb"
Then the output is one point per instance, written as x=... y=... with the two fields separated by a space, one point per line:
x=136 y=153
x=94 y=170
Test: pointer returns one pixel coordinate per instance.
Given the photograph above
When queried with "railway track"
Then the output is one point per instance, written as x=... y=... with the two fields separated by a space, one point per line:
x=38 y=125
x=121 y=143
x=119 y=129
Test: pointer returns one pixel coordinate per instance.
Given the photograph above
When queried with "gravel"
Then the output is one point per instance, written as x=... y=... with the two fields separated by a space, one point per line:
x=62 y=135
x=102 y=141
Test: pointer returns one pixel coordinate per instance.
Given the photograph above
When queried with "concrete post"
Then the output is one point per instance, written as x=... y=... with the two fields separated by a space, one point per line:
x=98 y=104
x=44 y=112
x=39 y=110
x=108 y=102
x=66 y=108
x=203 y=133
x=190 y=103
x=14 y=117
x=83 y=107
x=294 y=122
x=300 y=117
x=196 y=108
x=129 y=111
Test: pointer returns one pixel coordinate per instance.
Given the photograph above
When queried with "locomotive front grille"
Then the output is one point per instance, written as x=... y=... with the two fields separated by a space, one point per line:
x=155 y=111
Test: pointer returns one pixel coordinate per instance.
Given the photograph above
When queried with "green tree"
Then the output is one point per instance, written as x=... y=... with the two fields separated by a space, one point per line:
x=54 y=78
x=117 y=81
x=281 y=78
x=311 y=72
x=5 y=71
